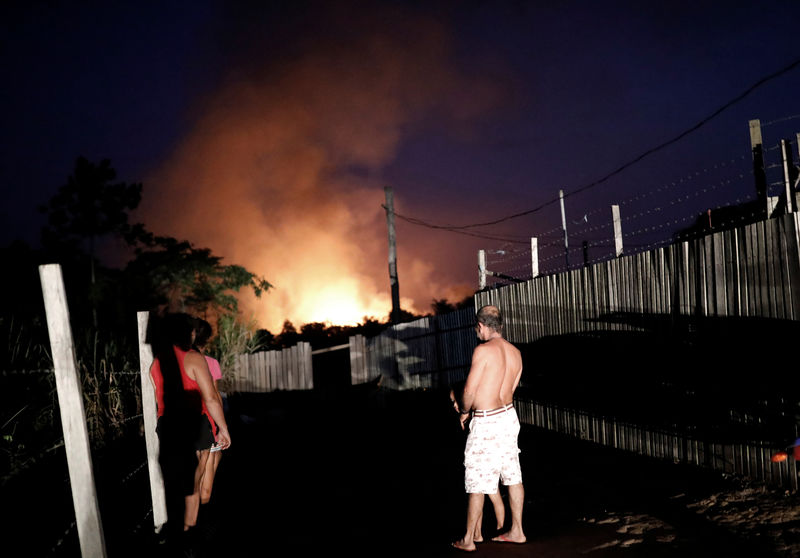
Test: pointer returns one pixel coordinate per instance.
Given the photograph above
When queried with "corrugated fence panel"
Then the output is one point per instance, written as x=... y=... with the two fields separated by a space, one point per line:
x=748 y=271
x=751 y=459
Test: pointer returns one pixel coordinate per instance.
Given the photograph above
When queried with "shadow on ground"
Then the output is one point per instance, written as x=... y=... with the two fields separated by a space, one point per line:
x=366 y=472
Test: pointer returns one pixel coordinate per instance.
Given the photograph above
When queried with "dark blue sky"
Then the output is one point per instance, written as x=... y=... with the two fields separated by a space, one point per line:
x=505 y=104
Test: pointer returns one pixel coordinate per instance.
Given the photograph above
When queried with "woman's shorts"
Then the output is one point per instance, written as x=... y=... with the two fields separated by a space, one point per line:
x=205 y=437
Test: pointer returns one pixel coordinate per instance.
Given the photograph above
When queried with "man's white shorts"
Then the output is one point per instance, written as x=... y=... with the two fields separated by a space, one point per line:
x=491 y=454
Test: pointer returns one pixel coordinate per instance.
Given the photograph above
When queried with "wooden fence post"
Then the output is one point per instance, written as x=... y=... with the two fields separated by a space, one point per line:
x=564 y=226
x=481 y=269
x=358 y=365
x=617 y=230
x=150 y=419
x=73 y=418
x=534 y=257
x=789 y=175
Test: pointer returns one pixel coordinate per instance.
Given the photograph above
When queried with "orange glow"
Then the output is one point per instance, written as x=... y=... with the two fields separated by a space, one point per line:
x=265 y=176
x=780 y=456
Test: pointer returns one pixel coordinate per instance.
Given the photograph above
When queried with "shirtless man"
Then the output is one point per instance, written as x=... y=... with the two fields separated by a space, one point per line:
x=491 y=451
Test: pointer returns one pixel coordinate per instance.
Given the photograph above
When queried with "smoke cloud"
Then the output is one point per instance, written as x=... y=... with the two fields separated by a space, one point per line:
x=281 y=169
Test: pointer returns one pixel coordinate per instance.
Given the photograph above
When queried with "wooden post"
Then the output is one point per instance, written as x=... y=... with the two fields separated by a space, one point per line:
x=564 y=226
x=358 y=360
x=796 y=175
x=392 y=255
x=617 y=230
x=534 y=257
x=759 y=173
x=481 y=270
x=150 y=416
x=73 y=418
x=789 y=173
x=308 y=366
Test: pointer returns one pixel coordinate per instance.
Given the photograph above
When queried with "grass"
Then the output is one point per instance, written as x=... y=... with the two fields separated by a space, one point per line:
x=30 y=425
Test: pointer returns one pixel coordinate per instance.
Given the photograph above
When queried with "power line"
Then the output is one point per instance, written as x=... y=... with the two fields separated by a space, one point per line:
x=745 y=93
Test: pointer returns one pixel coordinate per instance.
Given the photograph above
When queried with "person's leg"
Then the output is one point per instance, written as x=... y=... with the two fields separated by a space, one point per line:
x=477 y=534
x=192 y=502
x=474 y=512
x=499 y=508
x=516 y=499
x=499 y=513
x=208 y=477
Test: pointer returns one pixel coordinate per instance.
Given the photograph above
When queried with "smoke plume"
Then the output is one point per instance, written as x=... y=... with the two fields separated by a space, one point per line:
x=281 y=169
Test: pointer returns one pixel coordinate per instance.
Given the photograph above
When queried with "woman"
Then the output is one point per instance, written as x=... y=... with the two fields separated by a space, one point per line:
x=189 y=412
x=203 y=332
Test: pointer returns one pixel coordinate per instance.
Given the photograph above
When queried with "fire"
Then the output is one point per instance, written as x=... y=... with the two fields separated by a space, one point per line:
x=281 y=172
x=340 y=304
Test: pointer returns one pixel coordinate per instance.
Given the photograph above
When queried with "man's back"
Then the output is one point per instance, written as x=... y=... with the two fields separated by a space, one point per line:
x=500 y=370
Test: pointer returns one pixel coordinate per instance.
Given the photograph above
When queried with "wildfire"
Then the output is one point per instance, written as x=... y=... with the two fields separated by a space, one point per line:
x=281 y=173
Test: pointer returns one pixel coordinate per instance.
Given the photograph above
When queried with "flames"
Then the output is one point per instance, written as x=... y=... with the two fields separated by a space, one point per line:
x=281 y=172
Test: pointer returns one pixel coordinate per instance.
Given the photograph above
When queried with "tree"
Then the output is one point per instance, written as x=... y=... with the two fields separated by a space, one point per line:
x=403 y=316
x=173 y=273
x=89 y=206
x=163 y=271
x=441 y=306
x=288 y=335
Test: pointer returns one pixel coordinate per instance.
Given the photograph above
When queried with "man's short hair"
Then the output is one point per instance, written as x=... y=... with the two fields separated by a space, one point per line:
x=490 y=317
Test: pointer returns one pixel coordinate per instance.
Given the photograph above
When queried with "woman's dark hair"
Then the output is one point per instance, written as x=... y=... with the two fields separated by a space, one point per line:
x=168 y=332
x=202 y=332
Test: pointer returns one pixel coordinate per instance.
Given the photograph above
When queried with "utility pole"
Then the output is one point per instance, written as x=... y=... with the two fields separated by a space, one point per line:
x=395 y=317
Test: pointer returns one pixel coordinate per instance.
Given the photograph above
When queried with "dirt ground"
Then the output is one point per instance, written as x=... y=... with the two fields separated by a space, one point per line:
x=374 y=473
x=365 y=472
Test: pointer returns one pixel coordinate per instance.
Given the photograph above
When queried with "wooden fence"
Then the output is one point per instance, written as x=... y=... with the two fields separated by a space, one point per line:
x=428 y=352
x=751 y=271
x=287 y=369
x=748 y=272
x=749 y=459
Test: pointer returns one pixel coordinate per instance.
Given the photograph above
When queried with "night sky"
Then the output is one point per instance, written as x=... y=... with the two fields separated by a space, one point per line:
x=267 y=131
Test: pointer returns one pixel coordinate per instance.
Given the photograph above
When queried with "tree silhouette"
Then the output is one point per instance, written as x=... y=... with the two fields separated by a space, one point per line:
x=163 y=271
x=171 y=272
x=89 y=206
x=441 y=306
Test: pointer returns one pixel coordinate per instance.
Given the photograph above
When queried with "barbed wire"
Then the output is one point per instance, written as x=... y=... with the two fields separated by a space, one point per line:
x=140 y=525
x=63 y=538
x=684 y=180
x=130 y=475
x=687 y=180
x=658 y=227
x=779 y=120
x=41 y=371
x=31 y=372
x=632 y=162
x=134 y=417
x=626 y=219
x=583 y=228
